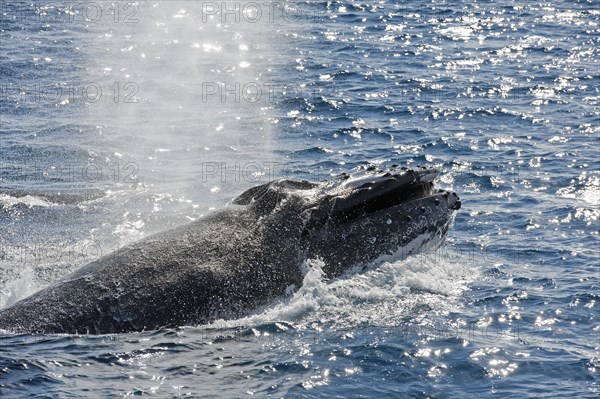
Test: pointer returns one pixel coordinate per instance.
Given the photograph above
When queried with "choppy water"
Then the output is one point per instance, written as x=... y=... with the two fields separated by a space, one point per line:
x=122 y=119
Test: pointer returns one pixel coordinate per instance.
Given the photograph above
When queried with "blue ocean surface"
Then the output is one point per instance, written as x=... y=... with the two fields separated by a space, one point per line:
x=122 y=119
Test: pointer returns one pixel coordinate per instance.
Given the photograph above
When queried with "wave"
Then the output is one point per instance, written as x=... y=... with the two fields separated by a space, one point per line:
x=32 y=199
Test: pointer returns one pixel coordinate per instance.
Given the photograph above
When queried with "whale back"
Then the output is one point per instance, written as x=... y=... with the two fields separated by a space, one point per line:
x=217 y=267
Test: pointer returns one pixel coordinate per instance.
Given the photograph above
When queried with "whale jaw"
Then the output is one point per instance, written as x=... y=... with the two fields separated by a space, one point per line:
x=379 y=214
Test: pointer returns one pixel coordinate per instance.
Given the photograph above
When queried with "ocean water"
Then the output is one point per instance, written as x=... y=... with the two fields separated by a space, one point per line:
x=122 y=119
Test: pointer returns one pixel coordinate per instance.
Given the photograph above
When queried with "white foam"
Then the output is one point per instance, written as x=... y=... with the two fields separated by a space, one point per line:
x=28 y=200
x=380 y=295
x=18 y=289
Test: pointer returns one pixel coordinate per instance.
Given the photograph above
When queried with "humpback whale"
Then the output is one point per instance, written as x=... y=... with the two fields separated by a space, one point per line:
x=250 y=252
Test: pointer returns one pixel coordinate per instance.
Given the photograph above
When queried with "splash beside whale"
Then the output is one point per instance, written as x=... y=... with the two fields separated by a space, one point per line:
x=245 y=255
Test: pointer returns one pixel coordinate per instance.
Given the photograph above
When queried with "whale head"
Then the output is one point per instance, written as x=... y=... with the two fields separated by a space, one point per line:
x=355 y=219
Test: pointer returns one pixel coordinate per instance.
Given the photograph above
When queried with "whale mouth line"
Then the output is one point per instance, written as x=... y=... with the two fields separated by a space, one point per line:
x=399 y=196
x=377 y=200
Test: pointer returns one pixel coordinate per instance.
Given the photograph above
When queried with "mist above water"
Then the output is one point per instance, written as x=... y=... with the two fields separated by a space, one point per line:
x=168 y=115
x=192 y=111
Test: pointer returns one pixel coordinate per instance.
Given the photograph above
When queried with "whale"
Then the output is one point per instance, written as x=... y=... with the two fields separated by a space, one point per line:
x=247 y=254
